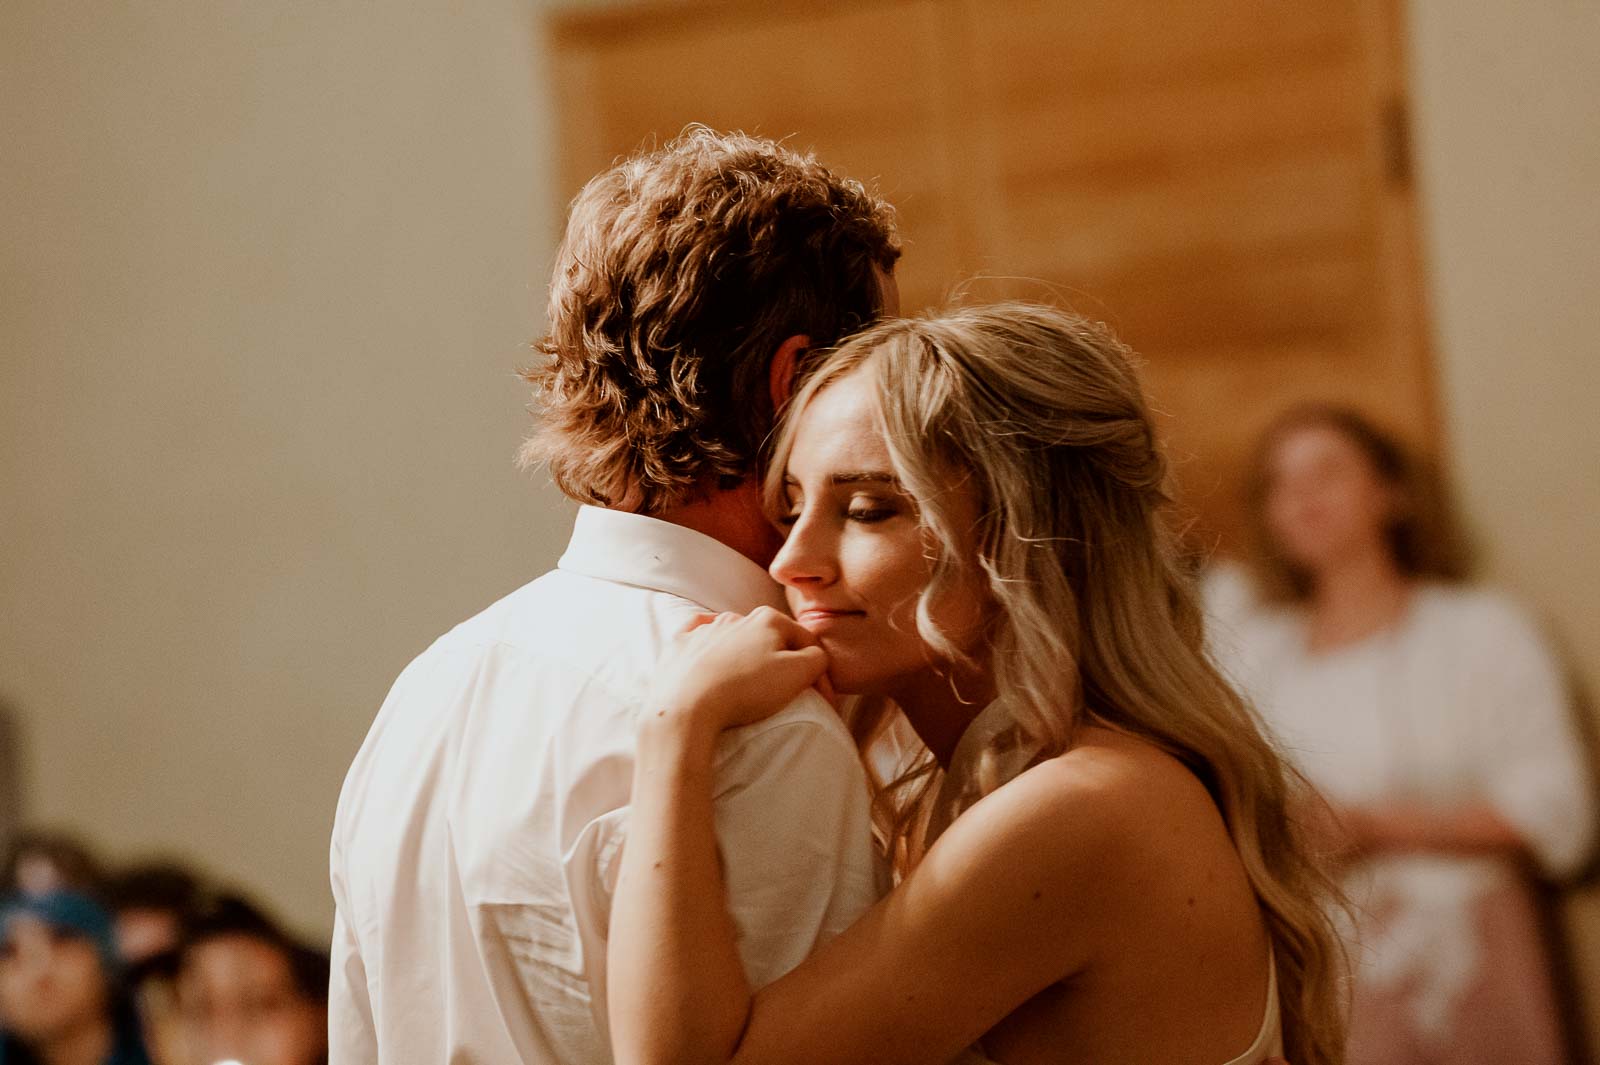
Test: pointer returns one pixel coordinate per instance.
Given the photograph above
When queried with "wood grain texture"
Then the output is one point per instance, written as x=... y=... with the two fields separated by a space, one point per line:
x=1223 y=181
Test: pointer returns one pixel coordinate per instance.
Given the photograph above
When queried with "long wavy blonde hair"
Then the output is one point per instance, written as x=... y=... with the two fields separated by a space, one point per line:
x=1095 y=619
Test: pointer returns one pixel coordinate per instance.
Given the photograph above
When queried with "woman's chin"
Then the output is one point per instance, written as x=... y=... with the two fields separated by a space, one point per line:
x=863 y=662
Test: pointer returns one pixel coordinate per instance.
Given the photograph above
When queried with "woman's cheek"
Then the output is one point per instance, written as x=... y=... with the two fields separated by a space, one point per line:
x=892 y=580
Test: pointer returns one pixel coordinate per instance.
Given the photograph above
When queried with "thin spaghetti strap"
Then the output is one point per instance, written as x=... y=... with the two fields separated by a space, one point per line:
x=1269 y=1040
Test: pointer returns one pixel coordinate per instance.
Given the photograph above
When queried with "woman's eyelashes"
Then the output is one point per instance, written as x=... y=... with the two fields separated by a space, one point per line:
x=864 y=511
x=783 y=519
x=870 y=512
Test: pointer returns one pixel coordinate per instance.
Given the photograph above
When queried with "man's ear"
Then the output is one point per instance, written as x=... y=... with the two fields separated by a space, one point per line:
x=780 y=377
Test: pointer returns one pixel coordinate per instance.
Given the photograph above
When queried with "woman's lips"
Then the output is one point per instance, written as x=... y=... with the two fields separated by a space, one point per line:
x=818 y=618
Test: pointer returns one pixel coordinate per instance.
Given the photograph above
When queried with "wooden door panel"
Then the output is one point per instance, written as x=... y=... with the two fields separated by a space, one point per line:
x=1236 y=408
x=1301 y=296
x=1110 y=225
x=1177 y=128
x=1026 y=44
x=1207 y=178
x=1217 y=179
x=858 y=83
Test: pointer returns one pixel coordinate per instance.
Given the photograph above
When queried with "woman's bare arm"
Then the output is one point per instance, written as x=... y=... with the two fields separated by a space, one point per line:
x=998 y=910
x=670 y=908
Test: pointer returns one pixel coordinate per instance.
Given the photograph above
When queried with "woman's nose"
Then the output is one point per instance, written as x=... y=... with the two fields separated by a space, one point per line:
x=804 y=560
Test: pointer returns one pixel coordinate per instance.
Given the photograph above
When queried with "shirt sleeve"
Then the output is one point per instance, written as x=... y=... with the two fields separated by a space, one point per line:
x=352 y=1035
x=1538 y=776
x=793 y=821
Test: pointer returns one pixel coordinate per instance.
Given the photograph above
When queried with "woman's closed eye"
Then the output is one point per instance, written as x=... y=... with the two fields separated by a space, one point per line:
x=871 y=511
x=862 y=511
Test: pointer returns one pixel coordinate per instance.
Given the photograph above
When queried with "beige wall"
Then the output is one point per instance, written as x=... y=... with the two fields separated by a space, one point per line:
x=1508 y=144
x=265 y=272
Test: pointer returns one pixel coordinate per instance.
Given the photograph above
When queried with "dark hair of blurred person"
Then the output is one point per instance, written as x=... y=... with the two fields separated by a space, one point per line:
x=1317 y=473
x=248 y=991
x=40 y=862
x=152 y=902
x=63 y=1000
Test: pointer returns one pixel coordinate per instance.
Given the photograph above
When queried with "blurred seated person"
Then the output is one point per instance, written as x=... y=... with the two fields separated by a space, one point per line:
x=153 y=903
x=1434 y=720
x=153 y=984
x=40 y=862
x=248 y=992
x=62 y=1001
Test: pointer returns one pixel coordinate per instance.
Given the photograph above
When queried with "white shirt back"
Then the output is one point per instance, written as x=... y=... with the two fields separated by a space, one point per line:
x=477 y=837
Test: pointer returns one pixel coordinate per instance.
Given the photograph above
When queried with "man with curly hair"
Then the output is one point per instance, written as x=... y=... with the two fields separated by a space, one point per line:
x=477 y=838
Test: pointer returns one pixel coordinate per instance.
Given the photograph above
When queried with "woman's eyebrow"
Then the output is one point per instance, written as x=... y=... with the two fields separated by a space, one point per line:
x=864 y=477
x=848 y=477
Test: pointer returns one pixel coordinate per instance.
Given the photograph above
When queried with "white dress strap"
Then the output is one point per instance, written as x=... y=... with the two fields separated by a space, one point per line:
x=1269 y=1040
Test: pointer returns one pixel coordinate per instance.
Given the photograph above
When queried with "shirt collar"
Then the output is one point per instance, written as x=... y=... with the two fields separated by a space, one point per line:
x=612 y=545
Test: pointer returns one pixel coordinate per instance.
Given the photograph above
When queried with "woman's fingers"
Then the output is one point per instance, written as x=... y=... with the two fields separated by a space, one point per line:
x=793 y=634
x=808 y=664
x=790 y=634
x=732 y=670
x=784 y=675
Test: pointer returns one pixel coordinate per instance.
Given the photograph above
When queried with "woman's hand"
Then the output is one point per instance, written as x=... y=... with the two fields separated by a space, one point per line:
x=678 y=991
x=728 y=670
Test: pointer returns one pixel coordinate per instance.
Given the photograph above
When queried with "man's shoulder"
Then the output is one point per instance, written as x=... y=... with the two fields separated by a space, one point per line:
x=808 y=732
x=511 y=619
x=570 y=622
x=808 y=711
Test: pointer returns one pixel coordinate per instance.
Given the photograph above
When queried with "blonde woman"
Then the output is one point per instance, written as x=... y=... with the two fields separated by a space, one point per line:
x=1098 y=864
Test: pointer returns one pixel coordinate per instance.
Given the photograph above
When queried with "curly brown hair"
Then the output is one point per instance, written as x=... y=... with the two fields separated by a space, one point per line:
x=1423 y=536
x=682 y=272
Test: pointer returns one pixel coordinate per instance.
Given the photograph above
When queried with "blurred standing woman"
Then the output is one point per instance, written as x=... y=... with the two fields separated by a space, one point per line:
x=1433 y=719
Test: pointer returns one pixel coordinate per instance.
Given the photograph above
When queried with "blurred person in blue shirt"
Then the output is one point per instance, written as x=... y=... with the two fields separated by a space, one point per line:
x=62 y=996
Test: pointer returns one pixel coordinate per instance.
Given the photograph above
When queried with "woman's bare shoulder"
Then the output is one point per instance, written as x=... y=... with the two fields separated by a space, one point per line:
x=1113 y=803
x=1134 y=818
x=1110 y=844
x=1121 y=779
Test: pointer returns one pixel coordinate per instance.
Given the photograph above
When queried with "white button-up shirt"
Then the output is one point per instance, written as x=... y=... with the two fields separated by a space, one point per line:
x=477 y=838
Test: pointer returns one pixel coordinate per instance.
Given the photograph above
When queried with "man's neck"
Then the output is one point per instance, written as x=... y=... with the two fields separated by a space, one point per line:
x=734 y=517
x=88 y=1044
